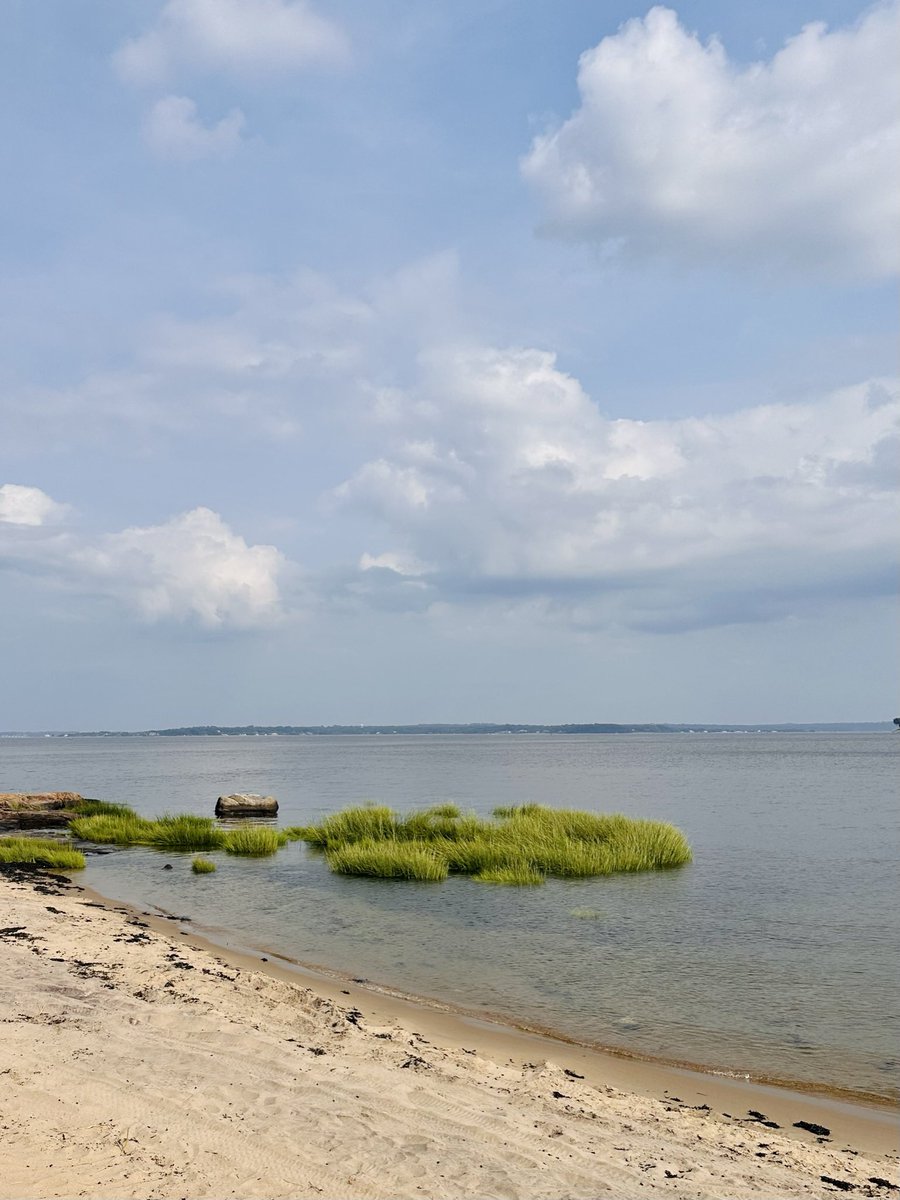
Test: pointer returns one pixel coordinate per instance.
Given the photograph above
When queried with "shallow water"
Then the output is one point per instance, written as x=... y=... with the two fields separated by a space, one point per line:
x=773 y=953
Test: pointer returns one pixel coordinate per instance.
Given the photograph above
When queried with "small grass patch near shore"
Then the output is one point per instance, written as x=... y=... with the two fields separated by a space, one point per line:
x=42 y=852
x=521 y=845
x=122 y=829
x=177 y=832
x=254 y=841
x=203 y=866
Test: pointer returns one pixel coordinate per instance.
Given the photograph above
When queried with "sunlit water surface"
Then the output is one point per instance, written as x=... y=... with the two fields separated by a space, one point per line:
x=775 y=952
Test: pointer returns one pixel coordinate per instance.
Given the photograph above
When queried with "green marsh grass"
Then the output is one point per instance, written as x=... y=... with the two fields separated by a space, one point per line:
x=94 y=808
x=125 y=829
x=203 y=866
x=388 y=859
x=522 y=844
x=186 y=832
x=43 y=852
x=254 y=841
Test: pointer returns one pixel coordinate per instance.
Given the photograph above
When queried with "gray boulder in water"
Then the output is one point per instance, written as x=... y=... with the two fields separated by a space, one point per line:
x=245 y=804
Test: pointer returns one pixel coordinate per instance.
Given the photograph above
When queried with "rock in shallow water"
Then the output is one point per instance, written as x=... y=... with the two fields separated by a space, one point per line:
x=246 y=804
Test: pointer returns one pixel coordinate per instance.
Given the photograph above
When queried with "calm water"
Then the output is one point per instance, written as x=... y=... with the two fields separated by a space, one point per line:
x=774 y=953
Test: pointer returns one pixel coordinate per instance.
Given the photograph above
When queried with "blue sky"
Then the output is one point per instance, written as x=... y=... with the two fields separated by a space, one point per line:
x=453 y=361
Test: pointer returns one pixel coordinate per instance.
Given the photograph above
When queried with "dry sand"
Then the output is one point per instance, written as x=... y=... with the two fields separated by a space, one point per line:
x=139 y=1063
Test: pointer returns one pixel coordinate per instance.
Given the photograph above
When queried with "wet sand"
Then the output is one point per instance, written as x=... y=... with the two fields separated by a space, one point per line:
x=138 y=1060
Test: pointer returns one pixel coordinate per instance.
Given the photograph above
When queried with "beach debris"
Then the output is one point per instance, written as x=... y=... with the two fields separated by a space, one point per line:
x=414 y=1061
x=246 y=804
x=572 y=1074
x=842 y=1185
x=762 y=1119
x=812 y=1127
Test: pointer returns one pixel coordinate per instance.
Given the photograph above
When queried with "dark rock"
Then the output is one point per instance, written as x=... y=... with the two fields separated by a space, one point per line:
x=841 y=1184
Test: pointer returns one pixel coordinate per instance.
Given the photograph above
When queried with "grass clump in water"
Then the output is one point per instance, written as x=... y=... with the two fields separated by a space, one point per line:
x=254 y=841
x=203 y=866
x=124 y=829
x=354 y=825
x=186 y=832
x=522 y=845
x=42 y=852
x=388 y=859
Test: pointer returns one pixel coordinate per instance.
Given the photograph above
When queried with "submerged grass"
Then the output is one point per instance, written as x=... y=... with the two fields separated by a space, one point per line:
x=522 y=845
x=203 y=866
x=512 y=875
x=43 y=852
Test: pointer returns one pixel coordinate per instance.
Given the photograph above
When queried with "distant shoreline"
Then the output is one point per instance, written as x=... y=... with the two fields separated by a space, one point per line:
x=472 y=728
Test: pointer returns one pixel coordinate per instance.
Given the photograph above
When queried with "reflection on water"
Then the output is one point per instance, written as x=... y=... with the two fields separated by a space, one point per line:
x=772 y=953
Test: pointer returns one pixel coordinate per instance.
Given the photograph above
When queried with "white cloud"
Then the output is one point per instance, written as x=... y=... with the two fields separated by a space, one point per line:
x=504 y=476
x=236 y=37
x=677 y=151
x=173 y=130
x=192 y=567
x=20 y=505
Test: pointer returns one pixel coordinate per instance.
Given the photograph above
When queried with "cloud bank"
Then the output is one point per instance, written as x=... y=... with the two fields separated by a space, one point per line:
x=505 y=478
x=678 y=152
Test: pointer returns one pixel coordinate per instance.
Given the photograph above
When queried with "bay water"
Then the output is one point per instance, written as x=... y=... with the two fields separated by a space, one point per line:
x=774 y=953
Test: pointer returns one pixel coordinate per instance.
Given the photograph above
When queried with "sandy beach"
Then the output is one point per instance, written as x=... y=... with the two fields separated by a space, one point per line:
x=138 y=1061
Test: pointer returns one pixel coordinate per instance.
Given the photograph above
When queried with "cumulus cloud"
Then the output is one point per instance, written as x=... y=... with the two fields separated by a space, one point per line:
x=235 y=37
x=173 y=130
x=192 y=567
x=21 y=505
x=677 y=151
x=504 y=477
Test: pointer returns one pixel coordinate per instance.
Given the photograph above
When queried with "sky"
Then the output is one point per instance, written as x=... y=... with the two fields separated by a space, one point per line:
x=478 y=360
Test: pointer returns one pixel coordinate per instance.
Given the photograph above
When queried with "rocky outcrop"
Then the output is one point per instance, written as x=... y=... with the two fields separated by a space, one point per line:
x=245 y=804
x=22 y=810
